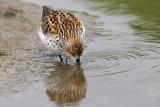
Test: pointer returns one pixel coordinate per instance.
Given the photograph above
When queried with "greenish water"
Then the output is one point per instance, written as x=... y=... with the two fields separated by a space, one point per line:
x=147 y=11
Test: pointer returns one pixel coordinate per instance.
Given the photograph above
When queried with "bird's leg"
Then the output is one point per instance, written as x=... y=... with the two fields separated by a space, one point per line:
x=61 y=59
x=78 y=60
x=66 y=60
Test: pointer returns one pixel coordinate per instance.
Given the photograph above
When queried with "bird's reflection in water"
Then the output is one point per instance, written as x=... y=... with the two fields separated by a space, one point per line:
x=66 y=85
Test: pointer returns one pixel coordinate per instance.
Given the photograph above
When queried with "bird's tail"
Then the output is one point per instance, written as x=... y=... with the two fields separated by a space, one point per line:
x=45 y=12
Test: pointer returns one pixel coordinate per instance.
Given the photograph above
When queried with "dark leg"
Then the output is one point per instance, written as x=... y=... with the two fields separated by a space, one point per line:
x=61 y=59
x=78 y=60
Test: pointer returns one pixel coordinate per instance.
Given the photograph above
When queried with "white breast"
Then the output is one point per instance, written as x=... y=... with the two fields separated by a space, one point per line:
x=48 y=40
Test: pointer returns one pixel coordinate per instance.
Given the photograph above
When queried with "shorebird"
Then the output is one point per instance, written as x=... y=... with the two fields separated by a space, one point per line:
x=62 y=32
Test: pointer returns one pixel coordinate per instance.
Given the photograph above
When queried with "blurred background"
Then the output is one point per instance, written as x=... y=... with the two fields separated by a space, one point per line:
x=119 y=68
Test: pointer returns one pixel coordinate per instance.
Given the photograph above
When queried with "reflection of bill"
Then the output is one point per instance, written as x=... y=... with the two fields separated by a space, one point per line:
x=66 y=85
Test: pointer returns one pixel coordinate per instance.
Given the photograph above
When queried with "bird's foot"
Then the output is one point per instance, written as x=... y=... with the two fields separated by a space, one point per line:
x=61 y=59
x=78 y=60
x=66 y=60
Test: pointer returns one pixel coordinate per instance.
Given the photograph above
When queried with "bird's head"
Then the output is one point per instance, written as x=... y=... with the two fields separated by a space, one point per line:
x=76 y=47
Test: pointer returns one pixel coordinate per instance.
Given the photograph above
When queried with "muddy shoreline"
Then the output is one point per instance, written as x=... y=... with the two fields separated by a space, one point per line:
x=18 y=21
x=18 y=44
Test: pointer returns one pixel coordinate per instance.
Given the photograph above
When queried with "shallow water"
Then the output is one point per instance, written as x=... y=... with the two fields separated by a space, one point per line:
x=120 y=67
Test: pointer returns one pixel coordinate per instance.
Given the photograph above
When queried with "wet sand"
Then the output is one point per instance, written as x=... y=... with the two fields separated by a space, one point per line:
x=18 y=42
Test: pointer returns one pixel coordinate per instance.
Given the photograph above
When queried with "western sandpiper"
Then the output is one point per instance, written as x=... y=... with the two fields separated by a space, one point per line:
x=62 y=32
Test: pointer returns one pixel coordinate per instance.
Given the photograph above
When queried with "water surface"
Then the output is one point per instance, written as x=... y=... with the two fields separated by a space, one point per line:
x=120 y=67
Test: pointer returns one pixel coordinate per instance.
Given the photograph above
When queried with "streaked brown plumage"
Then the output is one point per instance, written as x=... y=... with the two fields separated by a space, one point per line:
x=62 y=31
